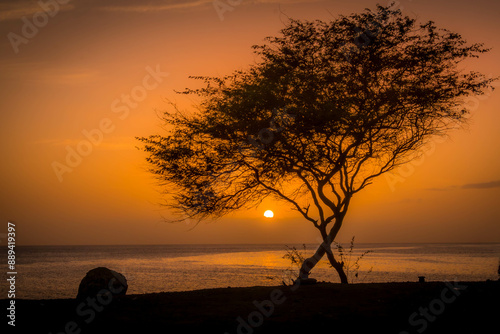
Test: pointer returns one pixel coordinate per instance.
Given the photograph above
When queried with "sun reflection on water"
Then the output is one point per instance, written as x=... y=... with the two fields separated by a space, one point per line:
x=157 y=272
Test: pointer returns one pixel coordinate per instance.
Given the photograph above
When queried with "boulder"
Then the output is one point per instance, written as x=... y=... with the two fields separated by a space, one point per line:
x=102 y=280
x=305 y=281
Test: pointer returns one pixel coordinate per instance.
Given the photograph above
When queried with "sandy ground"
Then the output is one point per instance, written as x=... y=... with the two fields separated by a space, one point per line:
x=432 y=307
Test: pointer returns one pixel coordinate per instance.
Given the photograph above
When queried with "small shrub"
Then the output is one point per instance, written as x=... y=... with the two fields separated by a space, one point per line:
x=346 y=258
x=296 y=258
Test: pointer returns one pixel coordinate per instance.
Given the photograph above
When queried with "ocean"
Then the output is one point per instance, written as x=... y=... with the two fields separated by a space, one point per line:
x=50 y=272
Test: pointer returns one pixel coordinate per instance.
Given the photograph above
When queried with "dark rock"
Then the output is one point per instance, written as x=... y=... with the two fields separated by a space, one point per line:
x=305 y=281
x=102 y=281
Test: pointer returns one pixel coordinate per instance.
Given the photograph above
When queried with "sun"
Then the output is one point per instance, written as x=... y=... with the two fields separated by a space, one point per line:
x=269 y=214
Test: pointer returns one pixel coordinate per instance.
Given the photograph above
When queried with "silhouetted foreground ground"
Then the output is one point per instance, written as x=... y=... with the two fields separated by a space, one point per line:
x=434 y=307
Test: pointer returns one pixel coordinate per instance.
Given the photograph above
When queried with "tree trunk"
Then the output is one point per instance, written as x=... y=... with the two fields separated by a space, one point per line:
x=326 y=248
x=310 y=263
x=339 y=266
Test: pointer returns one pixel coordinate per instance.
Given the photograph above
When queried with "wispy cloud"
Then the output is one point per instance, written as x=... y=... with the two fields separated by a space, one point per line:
x=483 y=185
x=44 y=72
x=108 y=144
x=157 y=6
x=68 y=76
x=285 y=1
x=443 y=188
x=14 y=10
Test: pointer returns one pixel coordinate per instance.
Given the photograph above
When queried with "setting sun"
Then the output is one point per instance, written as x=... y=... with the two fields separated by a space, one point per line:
x=269 y=214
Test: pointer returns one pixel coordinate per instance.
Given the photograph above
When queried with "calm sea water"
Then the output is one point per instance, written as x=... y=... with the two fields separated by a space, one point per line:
x=46 y=272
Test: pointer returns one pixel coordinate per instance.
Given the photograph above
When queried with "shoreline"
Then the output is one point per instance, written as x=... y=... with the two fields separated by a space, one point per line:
x=312 y=244
x=399 y=307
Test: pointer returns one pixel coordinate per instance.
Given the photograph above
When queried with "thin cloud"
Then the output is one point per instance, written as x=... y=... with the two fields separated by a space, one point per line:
x=44 y=72
x=108 y=144
x=179 y=5
x=286 y=1
x=443 y=188
x=15 y=10
x=68 y=77
x=484 y=185
x=156 y=7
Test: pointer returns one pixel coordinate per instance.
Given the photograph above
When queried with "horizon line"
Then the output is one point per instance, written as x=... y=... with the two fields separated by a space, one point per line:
x=260 y=244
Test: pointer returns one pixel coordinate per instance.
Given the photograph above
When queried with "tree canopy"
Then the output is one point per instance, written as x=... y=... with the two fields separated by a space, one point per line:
x=327 y=108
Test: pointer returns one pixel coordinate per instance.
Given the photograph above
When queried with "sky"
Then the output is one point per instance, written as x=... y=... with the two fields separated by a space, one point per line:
x=81 y=79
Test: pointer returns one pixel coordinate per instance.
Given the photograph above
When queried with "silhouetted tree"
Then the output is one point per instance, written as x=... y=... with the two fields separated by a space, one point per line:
x=327 y=108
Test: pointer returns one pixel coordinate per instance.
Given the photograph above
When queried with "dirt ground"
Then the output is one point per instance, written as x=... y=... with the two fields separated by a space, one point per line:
x=432 y=307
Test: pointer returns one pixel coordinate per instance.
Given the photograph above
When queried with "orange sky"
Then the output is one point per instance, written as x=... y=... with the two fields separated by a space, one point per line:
x=89 y=65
